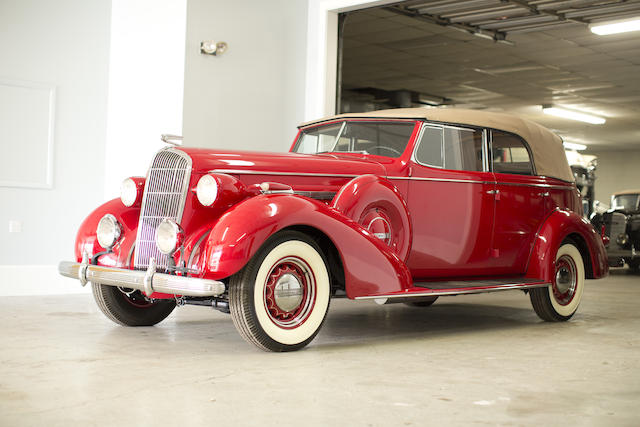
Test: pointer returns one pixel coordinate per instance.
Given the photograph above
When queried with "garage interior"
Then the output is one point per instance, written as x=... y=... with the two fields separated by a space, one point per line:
x=468 y=359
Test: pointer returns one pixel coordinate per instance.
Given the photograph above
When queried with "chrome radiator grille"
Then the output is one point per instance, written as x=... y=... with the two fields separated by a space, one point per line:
x=165 y=192
x=616 y=227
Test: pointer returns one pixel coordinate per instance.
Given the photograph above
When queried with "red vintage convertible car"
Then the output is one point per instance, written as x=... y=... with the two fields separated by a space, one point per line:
x=399 y=205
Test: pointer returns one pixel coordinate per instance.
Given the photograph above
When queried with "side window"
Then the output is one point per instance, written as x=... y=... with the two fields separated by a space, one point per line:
x=429 y=150
x=462 y=149
x=509 y=154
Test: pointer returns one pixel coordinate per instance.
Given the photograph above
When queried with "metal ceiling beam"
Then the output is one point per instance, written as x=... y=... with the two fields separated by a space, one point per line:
x=483 y=14
x=603 y=9
x=535 y=10
x=496 y=36
x=503 y=24
x=452 y=6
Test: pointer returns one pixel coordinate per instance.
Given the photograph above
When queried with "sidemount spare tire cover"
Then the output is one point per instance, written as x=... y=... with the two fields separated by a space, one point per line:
x=377 y=206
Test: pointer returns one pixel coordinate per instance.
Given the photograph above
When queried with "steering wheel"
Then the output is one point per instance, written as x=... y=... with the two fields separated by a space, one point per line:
x=393 y=150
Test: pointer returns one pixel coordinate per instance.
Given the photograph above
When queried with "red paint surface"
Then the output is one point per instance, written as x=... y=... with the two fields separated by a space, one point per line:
x=448 y=224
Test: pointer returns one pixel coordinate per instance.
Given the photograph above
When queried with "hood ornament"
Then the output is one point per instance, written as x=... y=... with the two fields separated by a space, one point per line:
x=171 y=139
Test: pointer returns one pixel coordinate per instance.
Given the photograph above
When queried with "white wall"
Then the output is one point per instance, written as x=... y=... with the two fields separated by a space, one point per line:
x=617 y=170
x=118 y=75
x=252 y=96
x=64 y=44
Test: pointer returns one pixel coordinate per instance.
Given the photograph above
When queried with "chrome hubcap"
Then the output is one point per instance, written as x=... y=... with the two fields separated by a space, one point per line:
x=565 y=282
x=288 y=292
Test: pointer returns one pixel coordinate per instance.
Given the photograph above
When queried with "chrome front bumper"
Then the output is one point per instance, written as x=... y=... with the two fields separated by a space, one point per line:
x=146 y=281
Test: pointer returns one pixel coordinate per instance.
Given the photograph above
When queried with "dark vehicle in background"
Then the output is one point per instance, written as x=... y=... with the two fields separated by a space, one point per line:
x=621 y=224
x=583 y=168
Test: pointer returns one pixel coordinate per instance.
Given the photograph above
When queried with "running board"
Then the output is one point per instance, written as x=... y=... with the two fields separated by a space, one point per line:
x=461 y=287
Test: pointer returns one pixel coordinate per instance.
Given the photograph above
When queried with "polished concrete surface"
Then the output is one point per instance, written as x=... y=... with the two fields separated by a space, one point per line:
x=482 y=359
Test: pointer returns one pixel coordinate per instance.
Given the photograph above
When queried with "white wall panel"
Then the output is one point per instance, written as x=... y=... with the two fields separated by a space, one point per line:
x=62 y=44
x=26 y=126
x=252 y=96
x=617 y=170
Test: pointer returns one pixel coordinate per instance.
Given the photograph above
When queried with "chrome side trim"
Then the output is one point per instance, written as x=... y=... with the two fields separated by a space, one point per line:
x=145 y=281
x=414 y=178
x=471 y=181
x=253 y=172
x=445 y=292
x=550 y=186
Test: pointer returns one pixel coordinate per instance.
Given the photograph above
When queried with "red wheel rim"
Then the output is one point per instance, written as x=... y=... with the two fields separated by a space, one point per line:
x=135 y=298
x=290 y=292
x=565 y=280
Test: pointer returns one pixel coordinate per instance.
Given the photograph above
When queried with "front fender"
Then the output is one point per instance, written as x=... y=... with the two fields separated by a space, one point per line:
x=557 y=227
x=370 y=266
x=86 y=240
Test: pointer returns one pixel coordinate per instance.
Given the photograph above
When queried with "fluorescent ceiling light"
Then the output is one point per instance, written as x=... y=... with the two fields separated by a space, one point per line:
x=616 y=27
x=573 y=115
x=574 y=146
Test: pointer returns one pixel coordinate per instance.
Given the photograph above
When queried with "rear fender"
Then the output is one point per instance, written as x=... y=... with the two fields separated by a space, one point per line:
x=556 y=228
x=370 y=266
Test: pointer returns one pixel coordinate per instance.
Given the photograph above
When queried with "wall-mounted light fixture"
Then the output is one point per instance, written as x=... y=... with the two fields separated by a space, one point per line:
x=615 y=27
x=211 y=47
x=573 y=115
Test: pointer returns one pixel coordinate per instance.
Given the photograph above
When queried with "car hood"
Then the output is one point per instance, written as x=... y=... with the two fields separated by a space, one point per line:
x=238 y=162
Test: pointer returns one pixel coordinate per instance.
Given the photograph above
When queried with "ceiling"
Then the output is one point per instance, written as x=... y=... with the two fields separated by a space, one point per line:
x=503 y=55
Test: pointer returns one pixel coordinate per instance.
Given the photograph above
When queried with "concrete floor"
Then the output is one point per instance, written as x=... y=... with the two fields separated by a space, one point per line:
x=483 y=359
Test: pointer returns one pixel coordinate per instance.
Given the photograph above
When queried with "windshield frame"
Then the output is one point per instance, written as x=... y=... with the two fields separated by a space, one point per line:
x=625 y=208
x=344 y=121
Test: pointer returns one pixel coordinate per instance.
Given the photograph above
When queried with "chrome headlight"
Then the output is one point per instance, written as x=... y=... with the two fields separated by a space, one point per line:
x=128 y=192
x=169 y=236
x=207 y=190
x=108 y=231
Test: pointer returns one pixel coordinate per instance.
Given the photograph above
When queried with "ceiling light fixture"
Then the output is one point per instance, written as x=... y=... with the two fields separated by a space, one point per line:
x=574 y=146
x=573 y=115
x=615 y=27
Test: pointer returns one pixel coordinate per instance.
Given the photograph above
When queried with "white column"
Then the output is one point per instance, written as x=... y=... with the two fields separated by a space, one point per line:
x=146 y=84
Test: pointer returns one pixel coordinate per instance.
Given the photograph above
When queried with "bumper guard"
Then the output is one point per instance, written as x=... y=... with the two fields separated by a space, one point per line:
x=146 y=281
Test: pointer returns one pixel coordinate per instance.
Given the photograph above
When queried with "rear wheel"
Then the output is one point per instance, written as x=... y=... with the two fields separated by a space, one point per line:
x=279 y=300
x=128 y=307
x=560 y=301
x=634 y=265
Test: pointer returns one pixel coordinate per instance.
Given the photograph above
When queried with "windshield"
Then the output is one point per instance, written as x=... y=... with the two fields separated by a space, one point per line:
x=387 y=139
x=627 y=202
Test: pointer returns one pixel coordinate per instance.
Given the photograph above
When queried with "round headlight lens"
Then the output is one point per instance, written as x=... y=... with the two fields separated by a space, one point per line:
x=207 y=190
x=169 y=237
x=128 y=192
x=108 y=231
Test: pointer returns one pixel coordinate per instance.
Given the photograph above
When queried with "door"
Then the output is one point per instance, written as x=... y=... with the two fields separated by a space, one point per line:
x=451 y=202
x=520 y=202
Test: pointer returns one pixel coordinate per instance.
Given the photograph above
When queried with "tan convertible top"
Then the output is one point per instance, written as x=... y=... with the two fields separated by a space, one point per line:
x=546 y=146
x=623 y=192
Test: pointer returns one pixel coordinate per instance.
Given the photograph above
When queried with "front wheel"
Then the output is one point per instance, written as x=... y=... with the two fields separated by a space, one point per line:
x=279 y=300
x=129 y=307
x=560 y=301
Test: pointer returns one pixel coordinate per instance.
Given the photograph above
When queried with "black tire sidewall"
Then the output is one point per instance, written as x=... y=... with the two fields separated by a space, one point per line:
x=242 y=289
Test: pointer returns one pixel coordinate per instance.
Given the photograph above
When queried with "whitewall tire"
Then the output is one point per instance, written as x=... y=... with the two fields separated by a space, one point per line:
x=560 y=301
x=280 y=299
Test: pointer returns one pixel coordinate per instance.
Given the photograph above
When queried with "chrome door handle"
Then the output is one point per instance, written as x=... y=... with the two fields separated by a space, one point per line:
x=545 y=194
x=493 y=192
